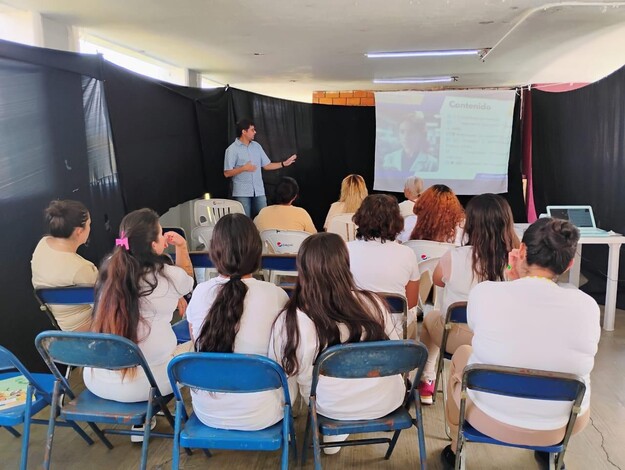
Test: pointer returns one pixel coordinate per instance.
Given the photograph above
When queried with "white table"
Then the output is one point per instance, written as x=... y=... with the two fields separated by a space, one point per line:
x=614 y=243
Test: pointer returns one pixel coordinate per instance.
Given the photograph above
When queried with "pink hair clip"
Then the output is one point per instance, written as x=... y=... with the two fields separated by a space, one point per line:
x=123 y=241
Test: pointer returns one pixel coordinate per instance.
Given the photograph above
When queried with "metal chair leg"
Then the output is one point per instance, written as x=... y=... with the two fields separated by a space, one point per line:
x=285 y=438
x=80 y=432
x=314 y=429
x=13 y=431
x=51 y=423
x=26 y=430
x=444 y=380
x=391 y=445
x=306 y=438
x=175 y=463
x=147 y=428
x=420 y=435
x=100 y=435
x=293 y=440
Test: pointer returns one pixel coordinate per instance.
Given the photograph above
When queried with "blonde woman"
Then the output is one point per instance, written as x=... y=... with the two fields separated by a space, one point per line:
x=353 y=191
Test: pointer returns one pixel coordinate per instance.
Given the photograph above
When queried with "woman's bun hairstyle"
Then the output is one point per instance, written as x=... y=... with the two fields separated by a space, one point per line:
x=551 y=243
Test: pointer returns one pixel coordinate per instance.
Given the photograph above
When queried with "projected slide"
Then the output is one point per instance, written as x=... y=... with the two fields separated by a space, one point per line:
x=457 y=138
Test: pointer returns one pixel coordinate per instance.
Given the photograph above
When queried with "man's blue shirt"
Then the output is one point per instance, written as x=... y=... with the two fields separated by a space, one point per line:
x=246 y=184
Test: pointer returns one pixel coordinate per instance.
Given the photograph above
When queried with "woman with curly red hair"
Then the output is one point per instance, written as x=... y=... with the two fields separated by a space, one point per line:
x=440 y=216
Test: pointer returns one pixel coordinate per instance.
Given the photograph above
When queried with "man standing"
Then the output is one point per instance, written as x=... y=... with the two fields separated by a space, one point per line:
x=243 y=161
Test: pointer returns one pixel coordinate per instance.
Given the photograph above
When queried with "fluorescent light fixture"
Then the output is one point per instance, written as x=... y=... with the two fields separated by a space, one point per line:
x=442 y=53
x=395 y=81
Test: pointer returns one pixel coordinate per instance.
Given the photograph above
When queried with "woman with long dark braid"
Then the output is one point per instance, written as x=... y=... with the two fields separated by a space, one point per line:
x=234 y=313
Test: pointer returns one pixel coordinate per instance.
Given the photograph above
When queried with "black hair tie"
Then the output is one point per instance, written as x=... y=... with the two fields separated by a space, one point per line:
x=235 y=278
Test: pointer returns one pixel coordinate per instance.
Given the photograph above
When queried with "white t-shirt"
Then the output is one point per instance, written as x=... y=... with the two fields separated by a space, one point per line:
x=251 y=411
x=532 y=323
x=367 y=398
x=382 y=267
x=409 y=223
x=406 y=208
x=157 y=341
x=458 y=276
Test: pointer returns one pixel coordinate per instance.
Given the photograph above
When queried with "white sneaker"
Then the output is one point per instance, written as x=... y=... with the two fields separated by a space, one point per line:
x=337 y=438
x=141 y=427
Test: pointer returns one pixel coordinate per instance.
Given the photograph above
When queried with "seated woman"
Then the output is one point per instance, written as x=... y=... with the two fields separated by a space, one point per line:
x=412 y=190
x=136 y=295
x=413 y=187
x=530 y=322
x=326 y=309
x=440 y=216
x=378 y=262
x=353 y=191
x=489 y=231
x=234 y=313
x=283 y=215
x=55 y=262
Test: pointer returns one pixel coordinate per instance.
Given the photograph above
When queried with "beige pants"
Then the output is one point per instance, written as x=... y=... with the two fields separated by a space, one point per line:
x=432 y=337
x=489 y=426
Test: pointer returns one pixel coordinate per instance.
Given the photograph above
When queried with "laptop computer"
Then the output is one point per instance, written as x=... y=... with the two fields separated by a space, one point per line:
x=580 y=216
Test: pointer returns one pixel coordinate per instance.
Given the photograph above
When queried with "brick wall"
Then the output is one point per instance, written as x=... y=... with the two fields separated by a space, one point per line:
x=344 y=98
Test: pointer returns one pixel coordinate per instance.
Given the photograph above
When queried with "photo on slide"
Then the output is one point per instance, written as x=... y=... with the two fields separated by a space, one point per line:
x=458 y=138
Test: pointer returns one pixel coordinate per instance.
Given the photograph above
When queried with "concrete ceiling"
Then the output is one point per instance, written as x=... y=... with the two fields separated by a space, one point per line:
x=290 y=48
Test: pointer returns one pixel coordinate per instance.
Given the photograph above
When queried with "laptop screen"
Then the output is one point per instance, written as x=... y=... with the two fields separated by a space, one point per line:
x=579 y=216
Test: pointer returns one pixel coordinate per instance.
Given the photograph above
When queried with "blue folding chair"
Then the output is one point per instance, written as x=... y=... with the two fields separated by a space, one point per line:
x=38 y=396
x=398 y=305
x=456 y=313
x=181 y=330
x=70 y=295
x=229 y=373
x=278 y=265
x=101 y=351
x=362 y=360
x=202 y=260
x=520 y=383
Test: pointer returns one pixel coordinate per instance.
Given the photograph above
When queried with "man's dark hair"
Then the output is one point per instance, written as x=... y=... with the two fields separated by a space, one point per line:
x=286 y=191
x=243 y=125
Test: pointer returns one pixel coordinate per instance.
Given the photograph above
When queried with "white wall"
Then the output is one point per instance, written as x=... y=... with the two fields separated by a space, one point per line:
x=17 y=25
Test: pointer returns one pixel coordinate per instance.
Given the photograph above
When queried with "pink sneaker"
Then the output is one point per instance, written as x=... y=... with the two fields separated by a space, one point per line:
x=426 y=390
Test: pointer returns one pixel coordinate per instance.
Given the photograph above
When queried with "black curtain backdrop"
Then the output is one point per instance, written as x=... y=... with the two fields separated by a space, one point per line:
x=156 y=139
x=213 y=108
x=51 y=143
x=61 y=113
x=579 y=158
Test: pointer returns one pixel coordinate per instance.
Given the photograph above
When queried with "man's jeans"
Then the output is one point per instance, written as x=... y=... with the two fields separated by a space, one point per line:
x=252 y=205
